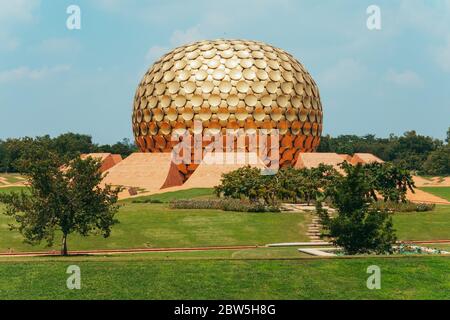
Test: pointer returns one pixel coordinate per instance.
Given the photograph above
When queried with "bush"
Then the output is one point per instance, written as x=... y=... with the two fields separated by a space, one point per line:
x=196 y=204
x=423 y=207
x=408 y=206
x=149 y=200
x=223 y=204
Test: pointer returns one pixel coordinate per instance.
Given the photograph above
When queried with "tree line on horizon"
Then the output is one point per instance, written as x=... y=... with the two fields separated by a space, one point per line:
x=67 y=145
x=421 y=154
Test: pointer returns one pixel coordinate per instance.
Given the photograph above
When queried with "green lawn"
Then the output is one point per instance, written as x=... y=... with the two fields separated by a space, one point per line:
x=140 y=277
x=11 y=189
x=155 y=225
x=195 y=193
x=434 y=225
x=442 y=192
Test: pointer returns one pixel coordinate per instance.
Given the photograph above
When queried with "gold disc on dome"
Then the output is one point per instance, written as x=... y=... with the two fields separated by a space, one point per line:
x=246 y=63
x=242 y=86
x=262 y=75
x=207 y=86
x=274 y=75
x=218 y=74
x=231 y=63
x=249 y=74
x=213 y=63
x=189 y=87
x=272 y=87
x=205 y=114
x=184 y=75
x=258 y=87
x=165 y=128
x=235 y=74
x=173 y=87
x=276 y=114
x=225 y=86
x=180 y=101
x=233 y=100
x=223 y=114
x=266 y=100
x=251 y=100
x=187 y=114
x=165 y=101
x=259 y=114
x=241 y=114
x=201 y=75
x=197 y=100
x=214 y=100
x=172 y=114
x=158 y=114
x=261 y=64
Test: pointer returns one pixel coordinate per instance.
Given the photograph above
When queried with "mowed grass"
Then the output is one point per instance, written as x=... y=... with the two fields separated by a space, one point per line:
x=139 y=277
x=148 y=225
x=195 y=193
x=432 y=225
x=156 y=225
x=12 y=189
x=442 y=192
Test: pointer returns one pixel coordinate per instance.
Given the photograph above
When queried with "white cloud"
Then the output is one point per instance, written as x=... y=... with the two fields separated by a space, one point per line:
x=7 y=41
x=111 y=5
x=59 y=46
x=17 y=10
x=178 y=37
x=155 y=52
x=405 y=78
x=26 y=73
x=13 y=13
x=345 y=72
x=442 y=56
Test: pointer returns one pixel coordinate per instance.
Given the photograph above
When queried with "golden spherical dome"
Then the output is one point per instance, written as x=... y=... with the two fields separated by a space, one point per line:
x=228 y=84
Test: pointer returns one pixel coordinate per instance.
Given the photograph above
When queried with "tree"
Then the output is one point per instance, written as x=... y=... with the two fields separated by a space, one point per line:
x=304 y=184
x=243 y=182
x=64 y=195
x=448 y=136
x=72 y=144
x=356 y=227
x=390 y=181
x=438 y=162
x=124 y=148
x=411 y=150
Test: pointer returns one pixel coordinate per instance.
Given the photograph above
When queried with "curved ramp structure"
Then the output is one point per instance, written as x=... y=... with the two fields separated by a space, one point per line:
x=107 y=160
x=313 y=160
x=364 y=158
x=145 y=171
x=209 y=172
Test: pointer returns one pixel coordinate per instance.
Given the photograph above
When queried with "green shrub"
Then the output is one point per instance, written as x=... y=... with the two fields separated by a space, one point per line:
x=408 y=206
x=423 y=207
x=236 y=205
x=196 y=204
x=147 y=201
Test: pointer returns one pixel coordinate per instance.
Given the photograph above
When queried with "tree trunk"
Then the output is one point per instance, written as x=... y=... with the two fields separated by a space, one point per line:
x=64 y=245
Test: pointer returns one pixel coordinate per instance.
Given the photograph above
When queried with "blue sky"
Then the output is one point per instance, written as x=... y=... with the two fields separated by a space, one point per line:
x=54 y=80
